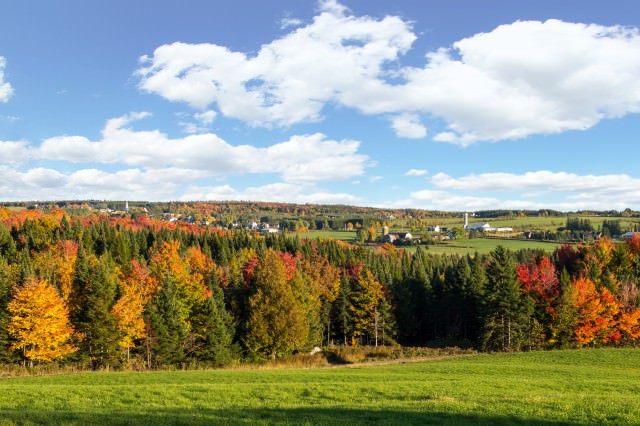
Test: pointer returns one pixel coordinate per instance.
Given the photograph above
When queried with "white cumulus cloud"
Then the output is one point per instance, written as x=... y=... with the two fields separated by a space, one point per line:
x=516 y=80
x=6 y=91
x=408 y=126
x=302 y=158
x=416 y=172
x=336 y=58
x=14 y=153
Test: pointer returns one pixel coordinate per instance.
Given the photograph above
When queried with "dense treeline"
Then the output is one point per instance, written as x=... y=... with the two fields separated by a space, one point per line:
x=110 y=292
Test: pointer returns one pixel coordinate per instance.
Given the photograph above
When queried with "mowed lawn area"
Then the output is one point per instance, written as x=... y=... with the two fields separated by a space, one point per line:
x=549 y=388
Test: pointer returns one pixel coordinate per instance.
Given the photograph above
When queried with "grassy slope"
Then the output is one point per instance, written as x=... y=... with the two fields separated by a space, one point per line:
x=562 y=387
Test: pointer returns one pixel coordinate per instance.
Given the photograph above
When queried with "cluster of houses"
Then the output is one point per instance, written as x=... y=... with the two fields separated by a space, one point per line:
x=263 y=227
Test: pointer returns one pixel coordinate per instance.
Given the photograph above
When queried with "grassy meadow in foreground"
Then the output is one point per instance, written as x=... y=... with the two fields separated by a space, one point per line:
x=560 y=387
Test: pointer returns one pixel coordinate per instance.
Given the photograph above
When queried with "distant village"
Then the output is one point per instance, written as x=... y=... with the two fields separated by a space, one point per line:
x=423 y=234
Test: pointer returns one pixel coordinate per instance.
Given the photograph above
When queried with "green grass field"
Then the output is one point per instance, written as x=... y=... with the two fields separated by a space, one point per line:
x=548 y=388
x=486 y=245
x=347 y=236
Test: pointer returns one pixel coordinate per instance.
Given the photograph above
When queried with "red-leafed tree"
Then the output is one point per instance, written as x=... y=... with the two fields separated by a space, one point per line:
x=539 y=280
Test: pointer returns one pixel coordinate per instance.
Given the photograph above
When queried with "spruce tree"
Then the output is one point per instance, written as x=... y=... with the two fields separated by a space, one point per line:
x=507 y=309
x=168 y=331
x=213 y=330
x=97 y=323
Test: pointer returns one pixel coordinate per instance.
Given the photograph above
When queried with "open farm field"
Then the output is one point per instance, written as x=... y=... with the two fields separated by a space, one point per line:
x=485 y=245
x=347 y=236
x=552 y=223
x=550 y=388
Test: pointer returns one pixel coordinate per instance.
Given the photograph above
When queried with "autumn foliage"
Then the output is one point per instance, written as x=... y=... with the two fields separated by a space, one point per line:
x=40 y=322
x=125 y=292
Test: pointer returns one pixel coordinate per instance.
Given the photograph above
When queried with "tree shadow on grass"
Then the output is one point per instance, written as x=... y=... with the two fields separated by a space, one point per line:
x=266 y=416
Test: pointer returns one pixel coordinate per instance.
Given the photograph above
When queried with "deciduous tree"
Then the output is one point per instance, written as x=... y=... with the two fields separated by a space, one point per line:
x=40 y=322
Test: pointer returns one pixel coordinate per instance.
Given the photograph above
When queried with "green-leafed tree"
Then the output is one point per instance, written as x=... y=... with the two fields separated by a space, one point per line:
x=277 y=323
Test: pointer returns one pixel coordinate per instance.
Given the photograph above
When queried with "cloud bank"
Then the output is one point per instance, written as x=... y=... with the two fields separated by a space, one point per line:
x=151 y=165
x=531 y=190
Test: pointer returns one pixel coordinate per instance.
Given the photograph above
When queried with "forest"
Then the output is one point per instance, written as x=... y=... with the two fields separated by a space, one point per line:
x=99 y=291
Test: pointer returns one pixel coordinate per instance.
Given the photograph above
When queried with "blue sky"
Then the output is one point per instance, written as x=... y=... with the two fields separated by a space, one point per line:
x=452 y=105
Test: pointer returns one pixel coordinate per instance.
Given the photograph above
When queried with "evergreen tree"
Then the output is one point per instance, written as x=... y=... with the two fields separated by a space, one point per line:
x=97 y=323
x=166 y=338
x=566 y=312
x=341 y=311
x=7 y=282
x=475 y=296
x=507 y=310
x=213 y=330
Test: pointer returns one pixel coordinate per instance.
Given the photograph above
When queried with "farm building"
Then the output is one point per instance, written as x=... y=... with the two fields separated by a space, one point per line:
x=480 y=227
x=486 y=228
x=398 y=236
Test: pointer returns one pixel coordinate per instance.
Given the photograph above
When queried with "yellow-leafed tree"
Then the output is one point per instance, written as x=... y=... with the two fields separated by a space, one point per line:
x=39 y=322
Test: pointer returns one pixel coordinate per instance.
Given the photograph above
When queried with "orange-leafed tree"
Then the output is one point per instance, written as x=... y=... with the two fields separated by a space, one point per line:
x=65 y=253
x=597 y=312
x=137 y=286
x=629 y=321
x=629 y=326
x=168 y=264
x=128 y=314
x=40 y=322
